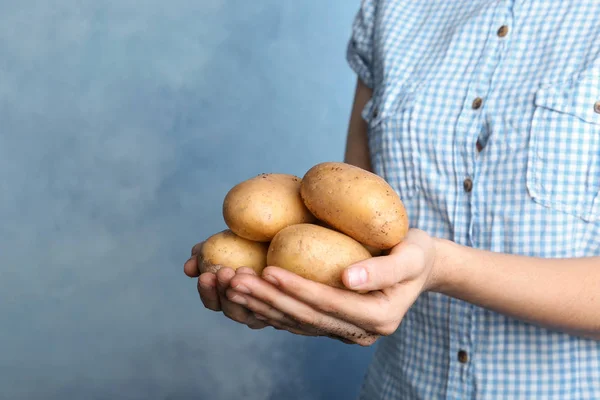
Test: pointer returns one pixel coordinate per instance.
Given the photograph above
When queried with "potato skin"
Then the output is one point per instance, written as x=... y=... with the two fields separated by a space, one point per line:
x=375 y=252
x=258 y=208
x=356 y=202
x=226 y=249
x=315 y=252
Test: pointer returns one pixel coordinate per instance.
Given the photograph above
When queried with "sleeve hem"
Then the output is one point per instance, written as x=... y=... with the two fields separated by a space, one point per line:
x=359 y=65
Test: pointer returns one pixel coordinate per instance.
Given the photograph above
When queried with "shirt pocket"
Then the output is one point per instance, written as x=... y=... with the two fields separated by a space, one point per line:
x=563 y=170
x=392 y=144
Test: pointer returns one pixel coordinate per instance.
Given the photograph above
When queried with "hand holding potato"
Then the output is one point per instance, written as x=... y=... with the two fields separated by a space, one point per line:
x=212 y=286
x=313 y=228
x=394 y=282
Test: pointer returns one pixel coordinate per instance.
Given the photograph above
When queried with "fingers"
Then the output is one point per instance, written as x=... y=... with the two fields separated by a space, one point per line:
x=245 y=270
x=261 y=308
x=378 y=273
x=212 y=288
x=364 y=310
x=247 y=288
x=207 y=288
x=231 y=310
x=191 y=268
x=255 y=324
x=281 y=327
x=265 y=313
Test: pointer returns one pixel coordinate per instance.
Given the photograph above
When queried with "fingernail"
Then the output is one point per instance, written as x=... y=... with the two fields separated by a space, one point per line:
x=260 y=317
x=241 y=288
x=357 y=276
x=270 y=279
x=239 y=299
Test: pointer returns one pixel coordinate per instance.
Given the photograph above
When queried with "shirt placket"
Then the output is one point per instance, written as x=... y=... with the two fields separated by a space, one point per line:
x=471 y=136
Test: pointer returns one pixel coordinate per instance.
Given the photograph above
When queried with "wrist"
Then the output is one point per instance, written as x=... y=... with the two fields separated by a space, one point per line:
x=444 y=274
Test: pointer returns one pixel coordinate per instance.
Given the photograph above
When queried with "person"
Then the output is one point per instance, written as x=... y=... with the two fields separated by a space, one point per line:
x=484 y=116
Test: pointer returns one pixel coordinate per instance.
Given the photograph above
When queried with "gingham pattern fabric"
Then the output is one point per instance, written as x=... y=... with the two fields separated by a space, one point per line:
x=535 y=65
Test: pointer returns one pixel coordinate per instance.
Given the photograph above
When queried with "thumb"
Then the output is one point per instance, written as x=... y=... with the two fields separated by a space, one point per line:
x=378 y=273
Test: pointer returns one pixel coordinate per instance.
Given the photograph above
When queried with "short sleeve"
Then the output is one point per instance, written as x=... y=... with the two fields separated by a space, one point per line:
x=359 y=52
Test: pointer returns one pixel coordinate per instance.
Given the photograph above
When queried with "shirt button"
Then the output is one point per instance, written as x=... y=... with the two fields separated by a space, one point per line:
x=503 y=31
x=477 y=103
x=597 y=107
x=463 y=357
x=468 y=185
x=479 y=146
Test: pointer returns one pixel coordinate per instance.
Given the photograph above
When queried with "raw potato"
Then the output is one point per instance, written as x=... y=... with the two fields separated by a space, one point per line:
x=315 y=253
x=226 y=249
x=374 y=251
x=258 y=208
x=356 y=202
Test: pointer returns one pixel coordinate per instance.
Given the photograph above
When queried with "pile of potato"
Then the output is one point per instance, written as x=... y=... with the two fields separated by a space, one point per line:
x=333 y=217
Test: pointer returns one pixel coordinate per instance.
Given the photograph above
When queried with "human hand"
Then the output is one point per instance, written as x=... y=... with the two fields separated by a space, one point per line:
x=213 y=286
x=287 y=301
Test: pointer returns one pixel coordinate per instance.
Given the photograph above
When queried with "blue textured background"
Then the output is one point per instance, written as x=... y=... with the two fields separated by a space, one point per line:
x=123 y=124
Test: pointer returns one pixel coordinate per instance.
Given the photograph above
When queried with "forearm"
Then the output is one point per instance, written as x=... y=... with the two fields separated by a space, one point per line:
x=561 y=294
x=357 y=146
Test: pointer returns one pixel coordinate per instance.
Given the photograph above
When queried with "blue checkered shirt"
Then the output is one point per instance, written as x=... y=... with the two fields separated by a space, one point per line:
x=520 y=81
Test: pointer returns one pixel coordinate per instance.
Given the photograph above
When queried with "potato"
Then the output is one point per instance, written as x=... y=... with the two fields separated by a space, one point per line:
x=226 y=249
x=315 y=253
x=258 y=208
x=356 y=202
x=374 y=251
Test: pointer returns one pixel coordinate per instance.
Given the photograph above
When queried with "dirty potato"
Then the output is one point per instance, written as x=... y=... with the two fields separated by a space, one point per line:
x=226 y=249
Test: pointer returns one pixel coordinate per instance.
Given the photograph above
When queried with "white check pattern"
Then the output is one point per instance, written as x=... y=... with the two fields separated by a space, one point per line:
x=536 y=183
